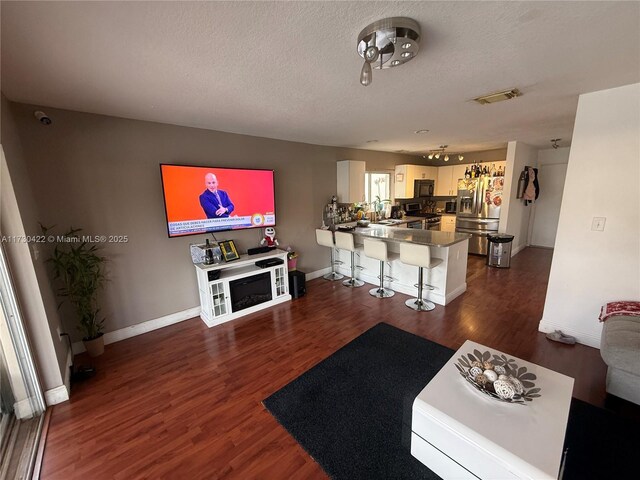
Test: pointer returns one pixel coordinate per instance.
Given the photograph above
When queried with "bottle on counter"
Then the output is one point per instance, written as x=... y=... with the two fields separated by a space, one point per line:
x=493 y=170
x=467 y=174
x=500 y=172
x=208 y=253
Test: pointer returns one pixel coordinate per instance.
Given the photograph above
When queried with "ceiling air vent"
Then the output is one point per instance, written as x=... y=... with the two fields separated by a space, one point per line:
x=498 y=96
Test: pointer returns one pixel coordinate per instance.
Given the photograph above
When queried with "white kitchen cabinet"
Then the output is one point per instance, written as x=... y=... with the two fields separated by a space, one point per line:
x=350 y=184
x=405 y=175
x=443 y=183
x=447 y=183
x=422 y=172
x=448 y=223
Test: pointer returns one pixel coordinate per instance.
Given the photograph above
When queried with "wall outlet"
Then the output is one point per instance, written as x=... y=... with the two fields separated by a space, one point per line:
x=597 y=225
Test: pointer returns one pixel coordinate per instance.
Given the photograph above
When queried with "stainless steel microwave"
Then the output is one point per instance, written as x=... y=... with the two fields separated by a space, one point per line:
x=424 y=188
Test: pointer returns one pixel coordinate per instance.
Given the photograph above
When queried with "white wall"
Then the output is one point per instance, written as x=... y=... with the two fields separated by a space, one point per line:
x=591 y=268
x=102 y=175
x=545 y=213
x=514 y=215
x=23 y=275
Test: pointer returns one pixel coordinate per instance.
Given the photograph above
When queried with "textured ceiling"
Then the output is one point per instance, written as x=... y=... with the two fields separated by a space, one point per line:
x=289 y=70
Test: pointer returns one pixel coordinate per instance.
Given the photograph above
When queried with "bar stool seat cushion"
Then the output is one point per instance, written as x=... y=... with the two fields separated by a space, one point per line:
x=324 y=238
x=345 y=241
x=376 y=249
x=418 y=255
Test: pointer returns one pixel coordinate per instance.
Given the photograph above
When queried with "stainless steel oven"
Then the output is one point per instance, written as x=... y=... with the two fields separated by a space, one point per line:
x=415 y=224
x=433 y=222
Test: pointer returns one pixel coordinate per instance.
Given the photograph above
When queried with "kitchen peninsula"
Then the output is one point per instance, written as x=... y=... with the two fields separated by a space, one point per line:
x=448 y=278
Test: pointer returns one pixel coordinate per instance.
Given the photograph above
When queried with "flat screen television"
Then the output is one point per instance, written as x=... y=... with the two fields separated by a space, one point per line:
x=209 y=199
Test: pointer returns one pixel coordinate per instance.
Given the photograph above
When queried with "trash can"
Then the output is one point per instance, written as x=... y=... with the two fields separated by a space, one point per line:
x=499 y=251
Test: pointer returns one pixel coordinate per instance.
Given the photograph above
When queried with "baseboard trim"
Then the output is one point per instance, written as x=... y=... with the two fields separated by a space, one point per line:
x=22 y=409
x=67 y=374
x=456 y=293
x=518 y=250
x=588 y=339
x=144 y=327
x=56 y=395
x=317 y=274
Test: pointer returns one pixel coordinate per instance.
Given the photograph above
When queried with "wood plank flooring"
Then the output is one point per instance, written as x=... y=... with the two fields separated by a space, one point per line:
x=185 y=401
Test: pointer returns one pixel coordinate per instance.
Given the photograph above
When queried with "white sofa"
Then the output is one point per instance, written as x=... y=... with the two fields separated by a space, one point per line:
x=620 y=350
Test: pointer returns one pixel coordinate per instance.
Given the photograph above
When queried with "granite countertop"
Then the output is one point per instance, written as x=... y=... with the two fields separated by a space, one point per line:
x=397 y=221
x=433 y=238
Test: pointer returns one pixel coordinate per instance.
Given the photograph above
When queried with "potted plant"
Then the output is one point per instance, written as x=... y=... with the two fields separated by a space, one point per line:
x=292 y=259
x=379 y=205
x=79 y=270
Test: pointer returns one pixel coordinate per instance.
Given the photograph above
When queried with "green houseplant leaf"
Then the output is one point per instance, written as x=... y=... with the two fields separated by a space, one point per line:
x=78 y=272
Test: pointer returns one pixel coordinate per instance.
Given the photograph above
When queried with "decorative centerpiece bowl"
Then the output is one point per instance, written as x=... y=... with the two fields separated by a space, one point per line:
x=498 y=377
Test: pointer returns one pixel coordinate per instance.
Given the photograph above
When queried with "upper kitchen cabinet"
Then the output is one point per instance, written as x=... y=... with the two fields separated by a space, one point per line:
x=447 y=182
x=350 y=181
x=405 y=175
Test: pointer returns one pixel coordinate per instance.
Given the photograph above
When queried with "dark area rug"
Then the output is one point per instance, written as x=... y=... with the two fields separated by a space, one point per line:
x=352 y=413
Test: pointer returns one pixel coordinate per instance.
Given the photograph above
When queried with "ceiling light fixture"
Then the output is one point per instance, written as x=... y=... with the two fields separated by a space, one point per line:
x=498 y=96
x=421 y=131
x=377 y=44
x=554 y=142
x=436 y=153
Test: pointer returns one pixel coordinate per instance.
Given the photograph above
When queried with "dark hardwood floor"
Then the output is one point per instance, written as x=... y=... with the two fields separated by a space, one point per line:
x=185 y=401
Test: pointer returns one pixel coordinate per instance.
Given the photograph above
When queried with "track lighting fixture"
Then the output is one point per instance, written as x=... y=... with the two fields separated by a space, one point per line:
x=437 y=153
x=441 y=151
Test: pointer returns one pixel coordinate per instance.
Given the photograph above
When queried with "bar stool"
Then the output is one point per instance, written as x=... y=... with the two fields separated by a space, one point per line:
x=420 y=256
x=325 y=239
x=378 y=249
x=344 y=241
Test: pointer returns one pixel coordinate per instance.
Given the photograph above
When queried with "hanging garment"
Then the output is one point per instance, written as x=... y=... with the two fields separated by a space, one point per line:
x=532 y=191
x=522 y=184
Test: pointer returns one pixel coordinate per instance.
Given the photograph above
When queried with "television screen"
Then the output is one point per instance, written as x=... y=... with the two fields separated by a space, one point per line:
x=204 y=199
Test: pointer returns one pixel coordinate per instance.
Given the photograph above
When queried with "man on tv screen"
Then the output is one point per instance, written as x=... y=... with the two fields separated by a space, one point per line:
x=215 y=203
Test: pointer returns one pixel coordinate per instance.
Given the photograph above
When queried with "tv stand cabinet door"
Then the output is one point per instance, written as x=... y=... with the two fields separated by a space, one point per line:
x=219 y=296
x=280 y=281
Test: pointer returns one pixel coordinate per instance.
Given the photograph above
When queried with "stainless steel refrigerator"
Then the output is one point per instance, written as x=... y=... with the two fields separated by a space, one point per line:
x=478 y=209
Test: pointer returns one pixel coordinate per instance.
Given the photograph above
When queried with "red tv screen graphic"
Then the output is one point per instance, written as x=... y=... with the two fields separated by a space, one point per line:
x=204 y=199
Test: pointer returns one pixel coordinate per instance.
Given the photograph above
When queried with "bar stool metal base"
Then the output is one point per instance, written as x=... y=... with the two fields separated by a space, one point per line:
x=381 y=292
x=420 y=305
x=333 y=276
x=353 y=282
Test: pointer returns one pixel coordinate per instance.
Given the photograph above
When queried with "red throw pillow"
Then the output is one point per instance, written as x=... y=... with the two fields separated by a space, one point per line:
x=612 y=309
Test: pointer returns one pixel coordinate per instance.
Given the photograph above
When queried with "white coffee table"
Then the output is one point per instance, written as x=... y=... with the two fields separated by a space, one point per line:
x=458 y=432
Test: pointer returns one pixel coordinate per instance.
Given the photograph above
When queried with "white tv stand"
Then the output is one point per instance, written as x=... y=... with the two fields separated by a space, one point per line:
x=215 y=294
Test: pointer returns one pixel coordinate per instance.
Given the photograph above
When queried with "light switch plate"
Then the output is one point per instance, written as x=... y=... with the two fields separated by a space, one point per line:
x=597 y=225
